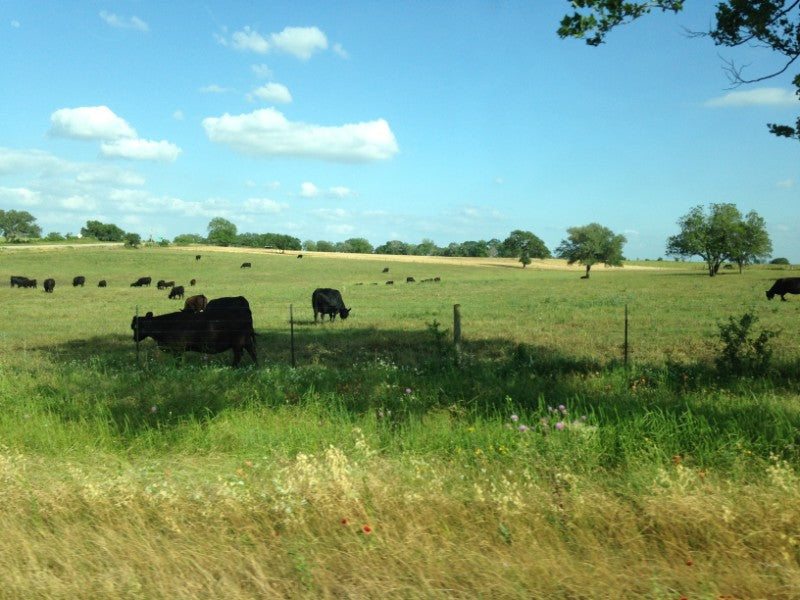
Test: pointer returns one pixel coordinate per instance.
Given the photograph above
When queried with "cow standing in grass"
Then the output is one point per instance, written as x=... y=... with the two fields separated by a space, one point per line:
x=49 y=285
x=226 y=324
x=787 y=285
x=327 y=301
x=80 y=280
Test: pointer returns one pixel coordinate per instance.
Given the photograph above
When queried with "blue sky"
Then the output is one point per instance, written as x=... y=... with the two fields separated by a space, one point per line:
x=451 y=121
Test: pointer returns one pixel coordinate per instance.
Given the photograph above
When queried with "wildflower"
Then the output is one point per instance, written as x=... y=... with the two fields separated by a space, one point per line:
x=583 y=417
x=408 y=390
x=701 y=474
x=366 y=529
x=689 y=563
x=344 y=521
x=544 y=419
x=470 y=429
x=248 y=463
x=561 y=407
x=523 y=428
x=515 y=417
x=153 y=409
x=559 y=425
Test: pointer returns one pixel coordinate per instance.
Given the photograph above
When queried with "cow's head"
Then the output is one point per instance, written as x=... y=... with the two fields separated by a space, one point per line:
x=344 y=312
x=770 y=294
x=139 y=327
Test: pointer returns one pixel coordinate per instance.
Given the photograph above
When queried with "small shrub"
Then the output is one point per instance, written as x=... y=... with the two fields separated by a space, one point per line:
x=779 y=261
x=744 y=352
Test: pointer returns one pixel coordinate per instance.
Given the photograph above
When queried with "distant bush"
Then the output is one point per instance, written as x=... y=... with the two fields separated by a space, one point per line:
x=779 y=261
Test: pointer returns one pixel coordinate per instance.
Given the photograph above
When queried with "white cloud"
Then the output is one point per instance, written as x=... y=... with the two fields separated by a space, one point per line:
x=109 y=176
x=340 y=191
x=250 y=40
x=271 y=92
x=123 y=22
x=264 y=205
x=785 y=184
x=178 y=115
x=79 y=203
x=19 y=196
x=331 y=214
x=267 y=132
x=214 y=89
x=262 y=71
x=89 y=123
x=308 y=190
x=139 y=149
x=756 y=97
x=339 y=50
x=301 y=42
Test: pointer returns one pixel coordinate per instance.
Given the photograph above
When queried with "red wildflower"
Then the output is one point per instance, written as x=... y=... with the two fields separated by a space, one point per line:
x=344 y=521
x=366 y=529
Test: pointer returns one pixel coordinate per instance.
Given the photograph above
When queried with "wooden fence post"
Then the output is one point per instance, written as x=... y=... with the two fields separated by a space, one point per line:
x=457 y=330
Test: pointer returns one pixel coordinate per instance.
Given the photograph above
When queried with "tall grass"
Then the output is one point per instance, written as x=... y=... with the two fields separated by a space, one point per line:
x=535 y=466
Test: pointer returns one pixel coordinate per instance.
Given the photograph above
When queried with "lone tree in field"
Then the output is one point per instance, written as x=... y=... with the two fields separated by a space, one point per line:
x=18 y=223
x=592 y=244
x=525 y=245
x=770 y=24
x=721 y=235
x=221 y=232
x=104 y=232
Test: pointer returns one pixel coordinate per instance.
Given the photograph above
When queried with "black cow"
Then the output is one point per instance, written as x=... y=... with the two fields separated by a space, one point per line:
x=197 y=257
x=195 y=303
x=410 y=280
x=78 y=281
x=102 y=283
x=299 y=256
x=787 y=285
x=18 y=280
x=327 y=301
x=246 y=265
x=176 y=292
x=161 y=284
x=193 y=282
x=385 y=270
x=227 y=323
x=142 y=281
x=49 y=284
x=27 y=283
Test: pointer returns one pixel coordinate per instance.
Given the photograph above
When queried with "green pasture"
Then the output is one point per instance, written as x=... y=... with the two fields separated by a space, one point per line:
x=453 y=474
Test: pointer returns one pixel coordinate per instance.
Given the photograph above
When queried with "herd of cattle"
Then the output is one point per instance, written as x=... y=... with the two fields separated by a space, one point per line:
x=213 y=326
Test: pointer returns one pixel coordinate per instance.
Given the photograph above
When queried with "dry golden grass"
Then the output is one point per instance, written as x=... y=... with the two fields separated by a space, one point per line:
x=208 y=528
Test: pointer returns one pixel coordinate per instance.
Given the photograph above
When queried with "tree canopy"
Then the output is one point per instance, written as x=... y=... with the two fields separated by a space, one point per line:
x=519 y=241
x=771 y=24
x=592 y=244
x=104 y=232
x=721 y=234
x=15 y=224
x=221 y=232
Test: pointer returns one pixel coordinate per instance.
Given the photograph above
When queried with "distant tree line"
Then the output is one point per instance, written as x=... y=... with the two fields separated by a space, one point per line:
x=722 y=234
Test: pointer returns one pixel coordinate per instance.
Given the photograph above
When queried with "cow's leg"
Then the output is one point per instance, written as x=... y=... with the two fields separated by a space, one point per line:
x=237 y=355
x=783 y=297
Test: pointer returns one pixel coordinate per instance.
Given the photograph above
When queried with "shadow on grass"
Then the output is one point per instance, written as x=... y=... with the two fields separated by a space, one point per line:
x=361 y=370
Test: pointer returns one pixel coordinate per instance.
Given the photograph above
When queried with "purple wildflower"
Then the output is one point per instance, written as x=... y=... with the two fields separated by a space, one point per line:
x=559 y=425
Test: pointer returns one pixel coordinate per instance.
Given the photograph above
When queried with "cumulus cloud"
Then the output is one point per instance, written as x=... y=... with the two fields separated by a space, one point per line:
x=19 y=196
x=124 y=22
x=340 y=191
x=139 y=149
x=785 y=184
x=262 y=71
x=301 y=42
x=264 y=205
x=271 y=92
x=308 y=190
x=770 y=96
x=89 y=123
x=267 y=132
x=340 y=51
x=78 y=203
x=214 y=89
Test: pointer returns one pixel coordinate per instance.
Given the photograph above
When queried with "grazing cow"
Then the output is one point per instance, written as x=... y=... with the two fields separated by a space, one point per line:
x=246 y=265
x=226 y=324
x=385 y=270
x=197 y=257
x=786 y=285
x=29 y=283
x=410 y=280
x=78 y=281
x=161 y=284
x=169 y=284
x=142 y=281
x=18 y=280
x=195 y=303
x=327 y=301
x=102 y=283
x=390 y=282
x=193 y=282
x=49 y=284
x=299 y=256
x=176 y=292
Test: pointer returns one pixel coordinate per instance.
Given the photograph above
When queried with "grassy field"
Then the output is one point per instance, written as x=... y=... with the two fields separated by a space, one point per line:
x=534 y=465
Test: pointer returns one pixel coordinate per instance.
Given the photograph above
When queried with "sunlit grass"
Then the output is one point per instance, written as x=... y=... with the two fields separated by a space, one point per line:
x=535 y=465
